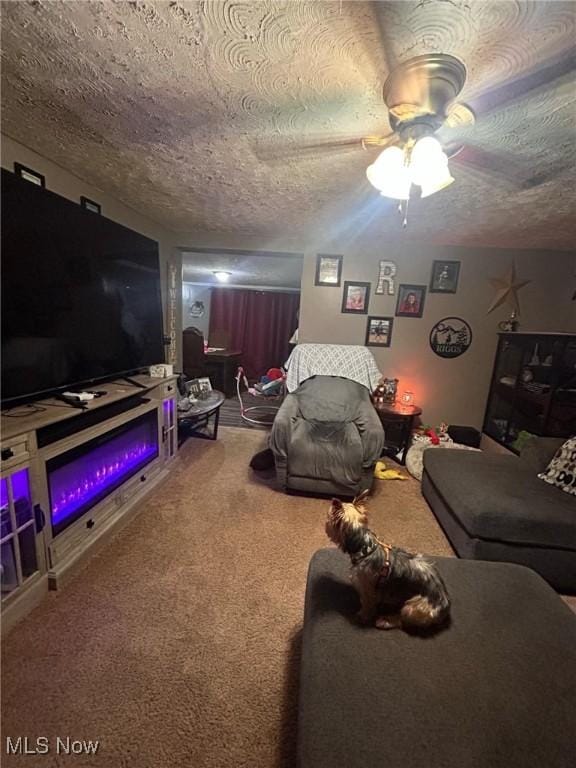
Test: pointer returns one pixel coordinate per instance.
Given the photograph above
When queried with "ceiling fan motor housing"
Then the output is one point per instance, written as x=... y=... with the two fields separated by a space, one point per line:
x=419 y=91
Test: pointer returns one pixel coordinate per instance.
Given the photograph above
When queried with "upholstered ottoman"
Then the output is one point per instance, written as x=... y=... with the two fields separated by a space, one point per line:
x=496 y=689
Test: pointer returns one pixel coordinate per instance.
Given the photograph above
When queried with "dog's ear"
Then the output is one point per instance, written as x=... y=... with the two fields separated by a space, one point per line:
x=361 y=498
x=336 y=505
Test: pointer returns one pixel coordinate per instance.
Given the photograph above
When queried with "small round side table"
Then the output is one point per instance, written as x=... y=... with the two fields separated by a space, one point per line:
x=392 y=414
x=196 y=416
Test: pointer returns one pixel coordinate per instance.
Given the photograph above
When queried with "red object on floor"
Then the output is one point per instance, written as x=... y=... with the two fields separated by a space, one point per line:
x=274 y=373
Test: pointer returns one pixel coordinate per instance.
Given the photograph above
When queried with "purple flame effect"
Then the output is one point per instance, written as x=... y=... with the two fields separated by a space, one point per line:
x=86 y=479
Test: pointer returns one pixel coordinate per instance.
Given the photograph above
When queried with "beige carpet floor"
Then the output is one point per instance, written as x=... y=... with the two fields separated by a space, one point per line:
x=178 y=644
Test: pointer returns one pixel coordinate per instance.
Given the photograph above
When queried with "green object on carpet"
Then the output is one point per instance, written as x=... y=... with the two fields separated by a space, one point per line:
x=523 y=439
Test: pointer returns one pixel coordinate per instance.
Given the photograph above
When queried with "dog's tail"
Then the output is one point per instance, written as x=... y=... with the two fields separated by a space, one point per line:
x=419 y=612
x=423 y=611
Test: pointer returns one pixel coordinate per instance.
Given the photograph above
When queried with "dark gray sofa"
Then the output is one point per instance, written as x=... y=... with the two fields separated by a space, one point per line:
x=494 y=690
x=494 y=507
x=327 y=437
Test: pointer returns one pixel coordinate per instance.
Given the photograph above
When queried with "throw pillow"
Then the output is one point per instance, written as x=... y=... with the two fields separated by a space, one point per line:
x=561 y=471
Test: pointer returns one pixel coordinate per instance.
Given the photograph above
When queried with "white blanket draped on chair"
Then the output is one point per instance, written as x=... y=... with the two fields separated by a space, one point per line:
x=348 y=361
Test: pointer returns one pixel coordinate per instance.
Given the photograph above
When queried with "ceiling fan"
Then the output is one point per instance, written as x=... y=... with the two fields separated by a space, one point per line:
x=421 y=97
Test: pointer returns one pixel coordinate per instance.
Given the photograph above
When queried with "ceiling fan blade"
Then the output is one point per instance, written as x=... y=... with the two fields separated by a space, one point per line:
x=380 y=142
x=371 y=24
x=280 y=150
x=516 y=88
x=384 y=15
x=486 y=162
x=515 y=172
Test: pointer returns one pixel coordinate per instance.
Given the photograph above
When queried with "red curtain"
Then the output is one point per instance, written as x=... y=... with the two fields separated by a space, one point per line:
x=259 y=323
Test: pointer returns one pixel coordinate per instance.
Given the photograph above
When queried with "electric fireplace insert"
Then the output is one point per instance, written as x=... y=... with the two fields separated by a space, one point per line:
x=81 y=477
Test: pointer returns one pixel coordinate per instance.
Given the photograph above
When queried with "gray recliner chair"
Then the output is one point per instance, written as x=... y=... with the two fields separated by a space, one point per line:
x=327 y=437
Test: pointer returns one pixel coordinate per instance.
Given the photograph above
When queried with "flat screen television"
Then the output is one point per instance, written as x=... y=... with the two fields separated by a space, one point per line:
x=81 y=297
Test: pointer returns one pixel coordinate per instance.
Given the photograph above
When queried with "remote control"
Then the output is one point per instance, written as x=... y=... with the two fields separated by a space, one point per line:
x=78 y=397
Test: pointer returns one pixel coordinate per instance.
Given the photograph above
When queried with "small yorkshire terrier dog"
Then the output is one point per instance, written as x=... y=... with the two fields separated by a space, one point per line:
x=397 y=589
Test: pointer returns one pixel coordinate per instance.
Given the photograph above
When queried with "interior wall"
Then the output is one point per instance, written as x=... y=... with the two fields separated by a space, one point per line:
x=66 y=184
x=192 y=293
x=452 y=390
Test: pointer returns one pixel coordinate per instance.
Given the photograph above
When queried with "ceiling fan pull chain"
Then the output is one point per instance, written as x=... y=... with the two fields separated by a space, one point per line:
x=405 y=220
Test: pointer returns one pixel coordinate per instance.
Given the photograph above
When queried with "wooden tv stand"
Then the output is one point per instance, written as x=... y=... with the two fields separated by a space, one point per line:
x=110 y=455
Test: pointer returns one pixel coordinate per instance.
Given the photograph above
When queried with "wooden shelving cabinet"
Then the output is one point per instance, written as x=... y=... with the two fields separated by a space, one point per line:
x=533 y=388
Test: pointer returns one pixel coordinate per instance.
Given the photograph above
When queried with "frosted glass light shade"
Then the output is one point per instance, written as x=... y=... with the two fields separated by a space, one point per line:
x=442 y=179
x=429 y=166
x=390 y=175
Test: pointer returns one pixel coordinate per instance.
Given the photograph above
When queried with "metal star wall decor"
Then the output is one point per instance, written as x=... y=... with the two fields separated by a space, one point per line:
x=507 y=288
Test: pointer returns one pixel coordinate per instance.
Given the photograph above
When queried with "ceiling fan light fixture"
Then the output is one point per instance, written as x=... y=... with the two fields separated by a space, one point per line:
x=427 y=158
x=390 y=174
x=443 y=180
x=429 y=166
x=424 y=164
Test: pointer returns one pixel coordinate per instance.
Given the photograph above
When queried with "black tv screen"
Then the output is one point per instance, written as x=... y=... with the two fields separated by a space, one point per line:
x=80 y=294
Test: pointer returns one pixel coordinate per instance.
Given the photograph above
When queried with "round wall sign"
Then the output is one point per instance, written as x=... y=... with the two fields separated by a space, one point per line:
x=450 y=337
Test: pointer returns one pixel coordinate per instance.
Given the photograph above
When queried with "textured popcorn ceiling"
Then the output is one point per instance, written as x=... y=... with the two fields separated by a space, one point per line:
x=245 y=267
x=197 y=113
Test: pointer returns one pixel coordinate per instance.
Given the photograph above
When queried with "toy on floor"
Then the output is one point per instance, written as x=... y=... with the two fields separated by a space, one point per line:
x=271 y=384
x=381 y=472
x=260 y=415
x=435 y=435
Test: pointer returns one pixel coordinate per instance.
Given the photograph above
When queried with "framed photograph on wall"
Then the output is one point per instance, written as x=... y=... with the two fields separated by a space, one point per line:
x=29 y=174
x=410 y=300
x=90 y=205
x=379 y=331
x=328 y=270
x=355 y=297
x=444 y=278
